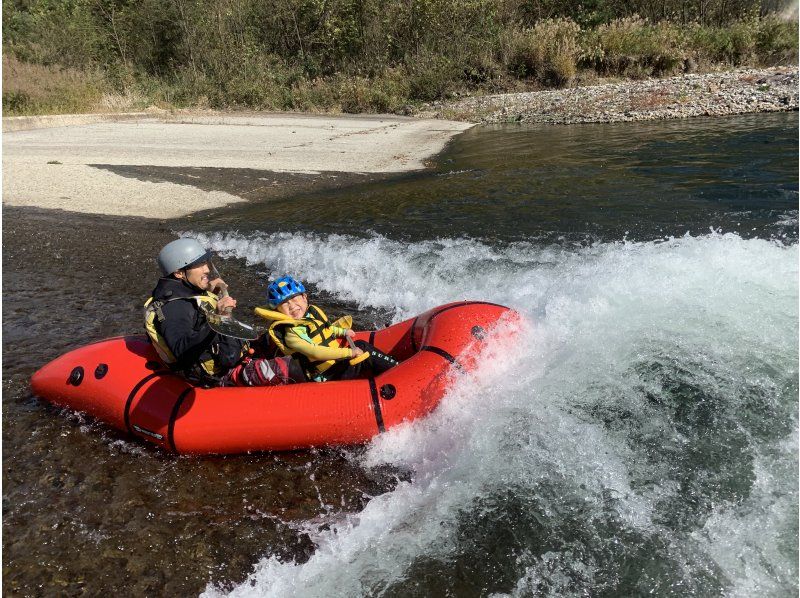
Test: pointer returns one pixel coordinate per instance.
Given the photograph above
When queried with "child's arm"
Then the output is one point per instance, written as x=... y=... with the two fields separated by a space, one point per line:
x=340 y=327
x=339 y=332
x=294 y=340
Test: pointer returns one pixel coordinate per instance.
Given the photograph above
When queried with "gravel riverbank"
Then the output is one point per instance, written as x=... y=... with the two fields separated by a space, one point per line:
x=741 y=91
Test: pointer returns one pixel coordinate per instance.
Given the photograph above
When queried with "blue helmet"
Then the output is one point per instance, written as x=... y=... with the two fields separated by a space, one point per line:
x=283 y=289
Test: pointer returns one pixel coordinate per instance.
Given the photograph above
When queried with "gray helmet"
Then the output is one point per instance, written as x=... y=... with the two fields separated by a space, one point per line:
x=180 y=254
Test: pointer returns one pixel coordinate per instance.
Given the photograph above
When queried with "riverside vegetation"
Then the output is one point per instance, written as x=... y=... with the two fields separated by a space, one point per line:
x=362 y=55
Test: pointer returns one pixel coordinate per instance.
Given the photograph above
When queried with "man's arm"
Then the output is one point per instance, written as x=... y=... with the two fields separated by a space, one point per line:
x=178 y=329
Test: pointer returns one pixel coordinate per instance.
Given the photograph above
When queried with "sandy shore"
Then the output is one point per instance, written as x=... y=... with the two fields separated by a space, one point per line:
x=741 y=91
x=109 y=164
x=75 y=163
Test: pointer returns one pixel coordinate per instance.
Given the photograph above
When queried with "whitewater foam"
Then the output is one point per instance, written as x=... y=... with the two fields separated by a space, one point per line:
x=647 y=416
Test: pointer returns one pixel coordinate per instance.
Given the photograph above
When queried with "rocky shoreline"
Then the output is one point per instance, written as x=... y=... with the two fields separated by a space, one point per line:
x=740 y=91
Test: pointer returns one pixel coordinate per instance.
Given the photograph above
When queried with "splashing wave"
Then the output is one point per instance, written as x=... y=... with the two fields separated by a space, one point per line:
x=642 y=439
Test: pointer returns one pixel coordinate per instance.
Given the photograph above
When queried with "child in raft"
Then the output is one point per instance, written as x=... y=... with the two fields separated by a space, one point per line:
x=304 y=332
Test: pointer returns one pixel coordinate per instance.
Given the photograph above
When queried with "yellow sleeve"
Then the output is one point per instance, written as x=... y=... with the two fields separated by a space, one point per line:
x=314 y=352
x=337 y=331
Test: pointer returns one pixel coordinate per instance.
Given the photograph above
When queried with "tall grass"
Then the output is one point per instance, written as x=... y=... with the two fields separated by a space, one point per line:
x=353 y=56
x=37 y=89
x=635 y=48
x=764 y=42
x=546 y=52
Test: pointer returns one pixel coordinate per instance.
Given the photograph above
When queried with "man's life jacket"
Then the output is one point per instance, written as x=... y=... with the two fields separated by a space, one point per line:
x=215 y=359
x=153 y=313
x=317 y=329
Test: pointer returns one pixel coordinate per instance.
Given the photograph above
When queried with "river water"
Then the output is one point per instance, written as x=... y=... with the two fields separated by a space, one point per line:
x=641 y=439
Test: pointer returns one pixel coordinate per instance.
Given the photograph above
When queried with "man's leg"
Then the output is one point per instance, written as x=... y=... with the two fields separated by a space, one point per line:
x=263 y=372
x=378 y=360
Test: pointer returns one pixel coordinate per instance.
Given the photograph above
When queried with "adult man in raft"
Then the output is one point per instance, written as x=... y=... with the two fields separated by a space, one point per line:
x=176 y=324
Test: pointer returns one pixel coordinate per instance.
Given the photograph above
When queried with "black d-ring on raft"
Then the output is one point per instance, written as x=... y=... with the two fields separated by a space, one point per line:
x=75 y=376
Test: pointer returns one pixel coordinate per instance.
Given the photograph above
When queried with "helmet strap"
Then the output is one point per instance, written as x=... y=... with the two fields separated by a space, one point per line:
x=185 y=281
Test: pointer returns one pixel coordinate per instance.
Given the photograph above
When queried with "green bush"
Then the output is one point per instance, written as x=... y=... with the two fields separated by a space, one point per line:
x=481 y=69
x=754 y=41
x=17 y=102
x=357 y=55
x=359 y=95
x=633 y=47
x=430 y=76
x=265 y=85
x=315 y=95
x=733 y=45
x=384 y=92
x=777 y=41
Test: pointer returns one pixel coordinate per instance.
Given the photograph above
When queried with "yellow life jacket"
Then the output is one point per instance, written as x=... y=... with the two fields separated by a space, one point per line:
x=318 y=329
x=152 y=312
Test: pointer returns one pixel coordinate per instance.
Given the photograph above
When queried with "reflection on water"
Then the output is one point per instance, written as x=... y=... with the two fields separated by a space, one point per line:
x=586 y=182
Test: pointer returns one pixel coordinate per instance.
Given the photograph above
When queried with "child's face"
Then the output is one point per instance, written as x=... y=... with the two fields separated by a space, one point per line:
x=296 y=307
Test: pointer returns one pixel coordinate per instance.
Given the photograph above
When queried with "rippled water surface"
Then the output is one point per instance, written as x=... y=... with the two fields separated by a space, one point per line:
x=640 y=440
x=598 y=182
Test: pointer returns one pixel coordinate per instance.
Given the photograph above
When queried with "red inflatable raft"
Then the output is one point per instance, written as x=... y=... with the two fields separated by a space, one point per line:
x=121 y=382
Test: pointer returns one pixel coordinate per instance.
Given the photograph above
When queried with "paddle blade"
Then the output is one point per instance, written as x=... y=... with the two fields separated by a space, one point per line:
x=230 y=326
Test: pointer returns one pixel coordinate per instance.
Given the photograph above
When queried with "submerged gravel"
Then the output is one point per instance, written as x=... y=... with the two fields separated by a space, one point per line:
x=741 y=91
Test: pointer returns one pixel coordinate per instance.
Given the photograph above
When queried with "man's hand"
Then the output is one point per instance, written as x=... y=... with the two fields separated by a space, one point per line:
x=357 y=351
x=217 y=285
x=225 y=305
x=349 y=333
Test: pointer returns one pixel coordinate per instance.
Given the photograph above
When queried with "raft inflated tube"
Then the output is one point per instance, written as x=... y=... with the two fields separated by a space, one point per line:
x=121 y=382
